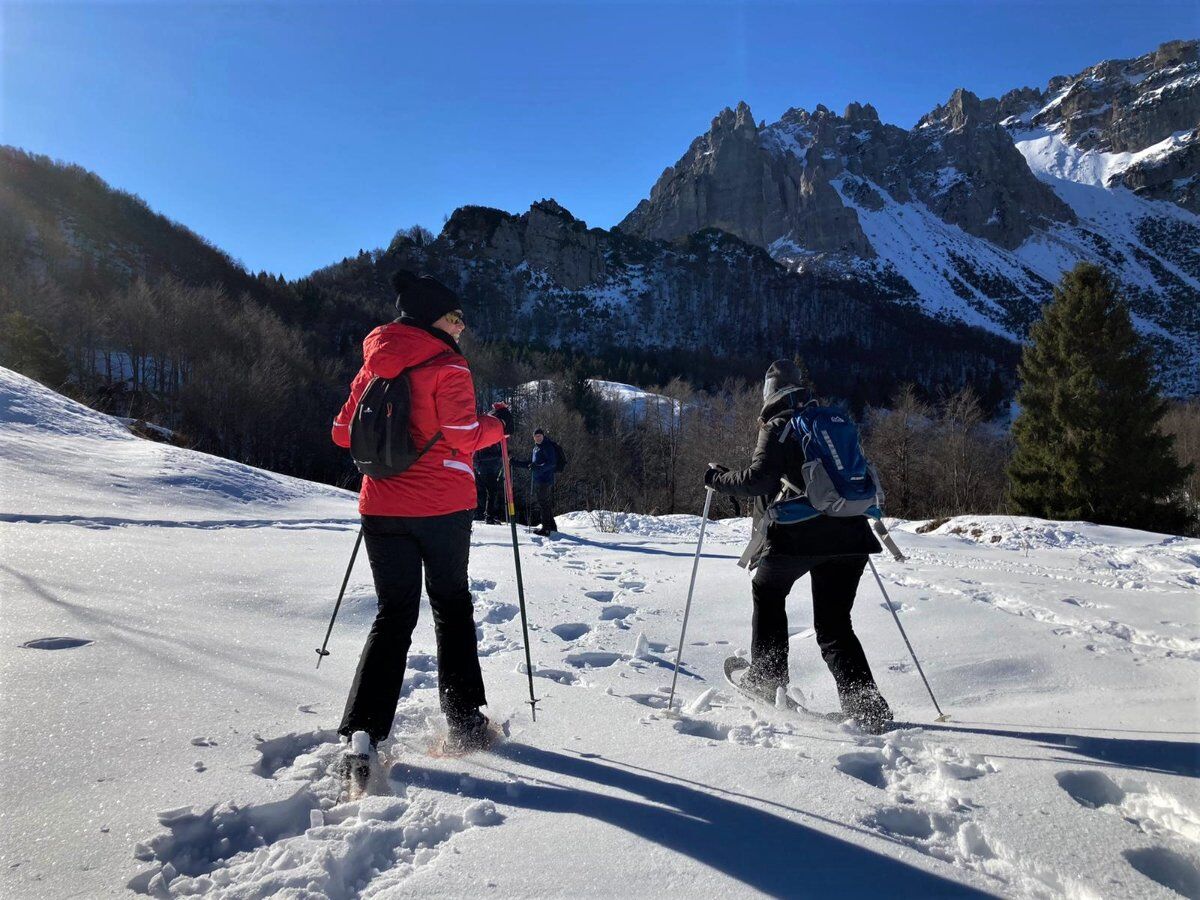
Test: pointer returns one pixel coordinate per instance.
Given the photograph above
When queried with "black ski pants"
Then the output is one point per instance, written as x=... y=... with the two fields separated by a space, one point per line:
x=492 y=501
x=545 y=502
x=834 y=585
x=399 y=548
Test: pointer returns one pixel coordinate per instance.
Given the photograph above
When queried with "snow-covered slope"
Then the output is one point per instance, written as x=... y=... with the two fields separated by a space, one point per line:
x=165 y=728
x=64 y=461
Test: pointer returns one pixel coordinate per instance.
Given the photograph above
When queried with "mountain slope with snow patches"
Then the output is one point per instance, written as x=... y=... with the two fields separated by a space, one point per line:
x=975 y=212
x=166 y=731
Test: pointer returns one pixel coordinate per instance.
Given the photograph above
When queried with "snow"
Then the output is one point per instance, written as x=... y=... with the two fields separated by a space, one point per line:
x=915 y=242
x=172 y=735
x=637 y=402
x=786 y=139
x=1053 y=159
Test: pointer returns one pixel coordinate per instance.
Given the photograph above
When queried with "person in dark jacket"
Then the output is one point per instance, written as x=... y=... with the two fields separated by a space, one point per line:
x=544 y=464
x=418 y=523
x=831 y=551
x=489 y=474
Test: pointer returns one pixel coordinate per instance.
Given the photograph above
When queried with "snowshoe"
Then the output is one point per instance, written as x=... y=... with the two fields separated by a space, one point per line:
x=774 y=695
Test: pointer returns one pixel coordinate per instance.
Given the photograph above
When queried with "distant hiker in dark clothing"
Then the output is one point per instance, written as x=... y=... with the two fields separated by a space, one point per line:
x=832 y=551
x=419 y=521
x=489 y=475
x=545 y=465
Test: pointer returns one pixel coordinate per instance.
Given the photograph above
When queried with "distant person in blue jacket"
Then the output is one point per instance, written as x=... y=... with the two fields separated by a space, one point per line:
x=544 y=465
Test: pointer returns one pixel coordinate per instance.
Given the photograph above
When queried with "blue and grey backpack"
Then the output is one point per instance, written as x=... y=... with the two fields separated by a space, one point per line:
x=836 y=478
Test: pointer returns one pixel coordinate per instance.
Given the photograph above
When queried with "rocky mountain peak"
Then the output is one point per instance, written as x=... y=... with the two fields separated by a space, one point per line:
x=554 y=209
x=547 y=237
x=1123 y=105
x=963 y=109
x=861 y=114
x=738 y=122
x=977 y=209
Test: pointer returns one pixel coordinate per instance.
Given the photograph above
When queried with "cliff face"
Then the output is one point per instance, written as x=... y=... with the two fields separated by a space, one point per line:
x=543 y=277
x=973 y=213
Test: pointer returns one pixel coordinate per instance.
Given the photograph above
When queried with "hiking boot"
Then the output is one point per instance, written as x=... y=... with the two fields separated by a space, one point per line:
x=468 y=732
x=868 y=709
x=761 y=686
x=354 y=765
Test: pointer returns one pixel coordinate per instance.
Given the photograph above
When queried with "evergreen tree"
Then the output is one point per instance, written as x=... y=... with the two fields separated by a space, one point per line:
x=26 y=347
x=1088 y=443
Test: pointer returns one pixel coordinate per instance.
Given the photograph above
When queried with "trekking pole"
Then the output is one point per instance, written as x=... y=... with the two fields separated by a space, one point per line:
x=691 y=587
x=322 y=652
x=942 y=717
x=512 y=522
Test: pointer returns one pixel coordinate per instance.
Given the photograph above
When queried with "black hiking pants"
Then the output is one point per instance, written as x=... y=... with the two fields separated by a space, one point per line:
x=399 y=548
x=492 y=501
x=834 y=585
x=545 y=502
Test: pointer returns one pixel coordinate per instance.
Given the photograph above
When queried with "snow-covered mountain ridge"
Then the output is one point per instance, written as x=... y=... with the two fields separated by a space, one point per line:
x=166 y=732
x=972 y=214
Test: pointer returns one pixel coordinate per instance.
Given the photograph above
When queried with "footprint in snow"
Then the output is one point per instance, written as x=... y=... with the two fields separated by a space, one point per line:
x=56 y=643
x=499 y=613
x=558 y=676
x=600 y=596
x=311 y=842
x=1169 y=868
x=616 y=612
x=422 y=662
x=276 y=754
x=700 y=728
x=571 y=631
x=1146 y=806
x=592 y=659
x=654 y=701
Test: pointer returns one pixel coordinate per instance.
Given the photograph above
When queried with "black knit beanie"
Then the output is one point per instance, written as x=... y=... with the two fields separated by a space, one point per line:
x=783 y=377
x=422 y=297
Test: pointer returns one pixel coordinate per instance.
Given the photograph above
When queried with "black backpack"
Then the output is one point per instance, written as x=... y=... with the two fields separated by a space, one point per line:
x=380 y=441
x=560 y=457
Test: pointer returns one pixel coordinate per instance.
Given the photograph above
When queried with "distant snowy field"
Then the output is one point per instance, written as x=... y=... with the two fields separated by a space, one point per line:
x=165 y=729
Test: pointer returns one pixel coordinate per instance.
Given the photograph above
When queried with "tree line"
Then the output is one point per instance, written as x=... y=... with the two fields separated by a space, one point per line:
x=1093 y=440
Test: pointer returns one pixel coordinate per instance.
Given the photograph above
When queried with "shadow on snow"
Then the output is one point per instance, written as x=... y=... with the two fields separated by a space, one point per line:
x=767 y=852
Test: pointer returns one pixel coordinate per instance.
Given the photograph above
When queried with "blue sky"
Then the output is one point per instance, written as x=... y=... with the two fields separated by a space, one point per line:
x=292 y=135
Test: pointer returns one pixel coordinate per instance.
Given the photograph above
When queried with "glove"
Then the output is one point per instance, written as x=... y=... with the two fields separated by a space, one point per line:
x=501 y=412
x=711 y=473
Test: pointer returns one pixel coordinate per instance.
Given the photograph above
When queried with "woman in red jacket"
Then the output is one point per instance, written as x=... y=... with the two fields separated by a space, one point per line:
x=421 y=518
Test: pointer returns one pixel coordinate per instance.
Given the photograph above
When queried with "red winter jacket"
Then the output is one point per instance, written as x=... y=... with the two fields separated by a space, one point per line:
x=443 y=399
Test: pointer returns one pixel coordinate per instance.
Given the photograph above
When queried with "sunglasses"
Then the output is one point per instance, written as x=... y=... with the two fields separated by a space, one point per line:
x=455 y=318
